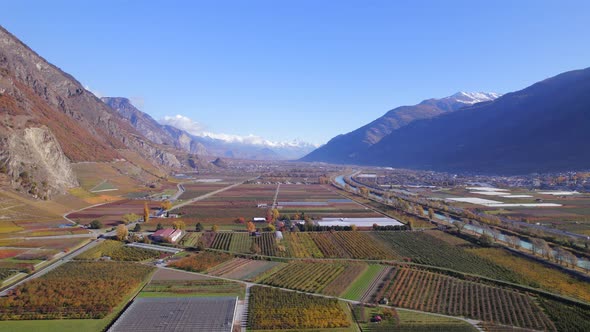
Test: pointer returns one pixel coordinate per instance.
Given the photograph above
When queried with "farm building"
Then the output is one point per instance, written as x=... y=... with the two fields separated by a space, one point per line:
x=167 y=235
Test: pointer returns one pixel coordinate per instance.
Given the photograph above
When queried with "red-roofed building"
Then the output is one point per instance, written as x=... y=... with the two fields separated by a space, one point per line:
x=167 y=235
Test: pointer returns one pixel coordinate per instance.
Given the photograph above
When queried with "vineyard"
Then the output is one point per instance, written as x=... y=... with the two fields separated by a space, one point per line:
x=200 y=262
x=190 y=239
x=357 y=289
x=427 y=291
x=567 y=317
x=305 y=276
x=357 y=245
x=74 y=290
x=205 y=287
x=274 y=309
x=244 y=269
x=420 y=247
x=301 y=245
x=118 y=251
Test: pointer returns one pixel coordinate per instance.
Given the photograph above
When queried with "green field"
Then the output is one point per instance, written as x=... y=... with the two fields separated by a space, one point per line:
x=358 y=288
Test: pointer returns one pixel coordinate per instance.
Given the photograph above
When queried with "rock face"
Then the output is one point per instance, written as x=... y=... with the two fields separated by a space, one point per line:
x=34 y=160
x=36 y=94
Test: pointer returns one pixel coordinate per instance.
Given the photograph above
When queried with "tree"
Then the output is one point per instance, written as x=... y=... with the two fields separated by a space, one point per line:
x=419 y=210
x=146 y=212
x=364 y=192
x=122 y=232
x=459 y=225
x=269 y=215
x=431 y=213
x=129 y=218
x=271 y=228
x=486 y=240
x=240 y=220
x=275 y=214
x=137 y=228
x=353 y=227
x=513 y=241
x=95 y=224
x=166 y=205
x=159 y=226
x=199 y=227
x=179 y=224
x=214 y=228
x=251 y=227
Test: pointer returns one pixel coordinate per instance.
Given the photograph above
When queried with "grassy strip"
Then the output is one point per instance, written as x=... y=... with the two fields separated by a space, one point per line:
x=356 y=290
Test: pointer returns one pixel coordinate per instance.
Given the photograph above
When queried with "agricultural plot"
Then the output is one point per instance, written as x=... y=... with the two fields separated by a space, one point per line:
x=420 y=247
x=74 y=290
x=274 y=309
x=118 y=251
x=400 y=320
x=350 y=274
x=357 y=245
x=319 y=201
x=190 y=239
x=567 y=317
x=110 y=214
x=427 y=291
x=214 y=314
x=200 y=262
x=193 y=190
x=306 y=276
x=225 y=207
x=301 y=245
x=357 y=289
x=252 y=269
x=192 y=288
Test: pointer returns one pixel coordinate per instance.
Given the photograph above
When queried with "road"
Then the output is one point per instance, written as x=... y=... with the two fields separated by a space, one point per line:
x=250 y=284
x=59 y=262
x=200 y=198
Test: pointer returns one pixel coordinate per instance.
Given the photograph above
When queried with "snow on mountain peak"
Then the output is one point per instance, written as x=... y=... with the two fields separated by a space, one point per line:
x=471 y=98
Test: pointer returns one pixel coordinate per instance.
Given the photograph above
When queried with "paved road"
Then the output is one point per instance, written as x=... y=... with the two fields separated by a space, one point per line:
x=250 y=284
x=52 y=266
x=200 y=198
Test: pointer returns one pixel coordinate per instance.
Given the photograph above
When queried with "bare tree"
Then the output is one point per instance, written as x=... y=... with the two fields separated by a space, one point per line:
x=513 y=241
x=459 y=225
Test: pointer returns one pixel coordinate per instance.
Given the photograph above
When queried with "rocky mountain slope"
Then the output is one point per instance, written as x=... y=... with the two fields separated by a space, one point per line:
x=48 y=119
x=544 y=127
x=346 y=148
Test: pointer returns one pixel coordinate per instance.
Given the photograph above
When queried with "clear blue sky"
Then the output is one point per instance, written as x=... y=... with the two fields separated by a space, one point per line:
x=300 y=69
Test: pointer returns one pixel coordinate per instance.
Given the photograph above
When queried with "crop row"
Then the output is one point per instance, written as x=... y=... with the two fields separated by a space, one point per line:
x=427 y=291
x=300 y=245
x=274 y=309
x=345 y=279
x=305 y=276
x=420 y=247
x=201 y=262
x=358 y=245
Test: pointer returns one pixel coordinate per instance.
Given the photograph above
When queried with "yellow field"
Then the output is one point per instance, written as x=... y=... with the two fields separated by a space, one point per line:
x=548 y=278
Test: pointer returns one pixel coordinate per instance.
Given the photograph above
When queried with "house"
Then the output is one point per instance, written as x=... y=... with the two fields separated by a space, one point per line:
x=167 y=235
x=258 y=219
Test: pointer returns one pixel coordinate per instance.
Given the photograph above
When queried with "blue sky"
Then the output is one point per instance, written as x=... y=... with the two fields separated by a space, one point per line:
x=300 y=69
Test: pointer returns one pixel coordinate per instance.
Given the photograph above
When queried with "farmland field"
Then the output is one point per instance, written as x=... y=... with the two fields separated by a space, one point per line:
x=357 y=289
x=306 y=276
x=200 y=262
x=86 y=290
x=110 y=214
x=273 y=309
x=358 y=245
x=420 y=247
x=192 y=288
x=401 y=320
x=426 y=291
x=118 y=251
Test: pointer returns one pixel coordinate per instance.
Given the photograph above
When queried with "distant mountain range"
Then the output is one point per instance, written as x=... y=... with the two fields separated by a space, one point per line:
x=207 y=144
x=542 y=128
x=347 y=148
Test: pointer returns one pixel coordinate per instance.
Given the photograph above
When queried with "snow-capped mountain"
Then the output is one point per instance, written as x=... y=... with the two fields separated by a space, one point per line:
x=471 y=98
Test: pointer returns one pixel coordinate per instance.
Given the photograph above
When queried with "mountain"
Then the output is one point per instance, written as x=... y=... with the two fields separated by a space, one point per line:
x=228 y=146
x=346 y=148
x=48 y=120
x=544 y=127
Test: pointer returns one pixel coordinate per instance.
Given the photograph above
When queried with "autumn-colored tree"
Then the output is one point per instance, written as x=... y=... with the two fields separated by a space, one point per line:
x=214 y=228
x=129 y=218
x=122 y=232
x=146 y=212
x=275 y=214
x=240 y=220
x=179 y=224
x=364 y=191
x=269 y=215
x=419 y=210
x=271 y=228
x=251 y=227
x=353 y=227
x=166 y=205
x=431 y=213
x=459 y=225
